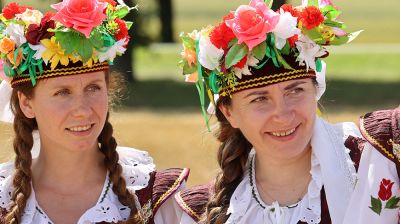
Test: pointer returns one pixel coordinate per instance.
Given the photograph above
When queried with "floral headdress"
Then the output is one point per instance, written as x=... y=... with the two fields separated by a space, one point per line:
x=81 y=36
x=256 y=46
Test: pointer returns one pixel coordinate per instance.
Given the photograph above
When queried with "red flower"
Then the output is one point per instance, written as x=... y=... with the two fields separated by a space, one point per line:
x=289 y=8
x=112 y=2
x=38 y=32
x=385 y=190
x=293 y=39
x=311 y=17
x=10 y=10
x=48 y=16
x=123 y=30
x=241 y=63
x=221 y=35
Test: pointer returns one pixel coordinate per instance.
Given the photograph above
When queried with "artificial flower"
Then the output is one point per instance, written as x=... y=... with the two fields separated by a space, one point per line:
x=292 y=40
x=15 y=60
x=9 y=11
x=285 y=28
x=83 y=16
x=54 y=53
x=111 y=2
x=308 y=51
x=189 y=55
x=40 y=49
x=16 y=33
x=36 y=32
x=6 y=45
x=194 y=77
x=338 y=32
x=327 y=33
x=122 y=31
x=251 y=23
x=221 y=35
x=30 y=16
x=111 y=52
x=3 y=75
x=251 y=61
x=209 y=55
x=292 y=10
x=311 y=17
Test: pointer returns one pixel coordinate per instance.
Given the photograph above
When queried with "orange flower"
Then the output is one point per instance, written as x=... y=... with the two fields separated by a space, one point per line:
x=194 y=77
x=6 y=45
x=10 y=57
x=189 y=55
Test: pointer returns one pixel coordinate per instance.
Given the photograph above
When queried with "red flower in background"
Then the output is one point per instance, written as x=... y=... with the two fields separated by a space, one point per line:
x=10 y=10
x=38 y=32
x=123 y=30
x=311 y=17
x=385 y=189
x=221 y=35
x=290 y=9
x=293 y=39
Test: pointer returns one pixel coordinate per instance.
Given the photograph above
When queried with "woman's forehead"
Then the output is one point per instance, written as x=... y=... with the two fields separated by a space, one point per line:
x=273 y=87
x=74 y=80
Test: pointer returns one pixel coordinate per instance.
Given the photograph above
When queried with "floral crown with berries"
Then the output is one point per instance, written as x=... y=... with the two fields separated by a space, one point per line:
x=255 y=46
x=82 y=36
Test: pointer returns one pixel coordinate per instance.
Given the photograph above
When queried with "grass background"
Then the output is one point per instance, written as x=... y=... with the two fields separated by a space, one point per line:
x=160 y=112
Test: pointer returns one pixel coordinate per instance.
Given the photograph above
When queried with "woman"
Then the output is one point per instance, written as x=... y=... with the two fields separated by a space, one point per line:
x=280 y=163
x=57 y=65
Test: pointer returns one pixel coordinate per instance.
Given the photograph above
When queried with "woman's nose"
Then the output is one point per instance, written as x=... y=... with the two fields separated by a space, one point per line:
x=283 y=112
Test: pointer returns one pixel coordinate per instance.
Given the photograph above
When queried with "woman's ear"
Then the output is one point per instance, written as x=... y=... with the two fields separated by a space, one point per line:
x=26 y=105
x=227 y=112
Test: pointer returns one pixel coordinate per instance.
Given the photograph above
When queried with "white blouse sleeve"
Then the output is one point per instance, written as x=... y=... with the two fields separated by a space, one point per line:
x=376 y=195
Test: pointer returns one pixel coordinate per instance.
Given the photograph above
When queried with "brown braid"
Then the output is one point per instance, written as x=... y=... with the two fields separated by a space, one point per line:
x=23 y=143
x=108 y=148
x=232 y=158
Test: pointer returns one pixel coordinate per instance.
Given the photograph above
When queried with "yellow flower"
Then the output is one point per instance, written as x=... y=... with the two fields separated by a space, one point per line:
x=327 y=33
x=91 y=61
x=54 y=53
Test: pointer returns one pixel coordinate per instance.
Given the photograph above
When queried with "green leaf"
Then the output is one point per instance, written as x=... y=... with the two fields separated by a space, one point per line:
x=235 y=54
x=121 y=11
x=376 y=205
x=392 y=203
x=128 y=24
x=269 y=3
x=335 y=24
x=259 y=50
x=313 y=3
x=286 y=49
x=188 y=42
x=330 y=12
x=85 y=50
x=96 y=40
x=232 y=42
x=69 y=41
x=345 y=39
x=187 y=69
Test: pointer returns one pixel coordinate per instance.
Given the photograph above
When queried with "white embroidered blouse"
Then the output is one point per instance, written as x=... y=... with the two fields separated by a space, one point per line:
x=137 y=166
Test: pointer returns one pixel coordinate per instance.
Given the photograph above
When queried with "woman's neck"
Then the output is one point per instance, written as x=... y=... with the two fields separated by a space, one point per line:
x=66 y=170
x=285 y=180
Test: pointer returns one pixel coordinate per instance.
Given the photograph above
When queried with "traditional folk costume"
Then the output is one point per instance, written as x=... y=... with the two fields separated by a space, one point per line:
x=81 y=37
x=255 y=47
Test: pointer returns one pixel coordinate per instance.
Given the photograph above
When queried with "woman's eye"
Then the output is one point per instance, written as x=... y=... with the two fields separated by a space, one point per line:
x=94 y=88
x=296 y=91
x=259 y=99
x=63 y=92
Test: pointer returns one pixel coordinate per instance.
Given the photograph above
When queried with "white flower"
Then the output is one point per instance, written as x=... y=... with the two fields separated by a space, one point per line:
x=111 y=52
x=251 y=62
x=40 y=49
x=209 y=55
x=30 y=16
x=16 y=33
x=285 y=28
x=309 y=50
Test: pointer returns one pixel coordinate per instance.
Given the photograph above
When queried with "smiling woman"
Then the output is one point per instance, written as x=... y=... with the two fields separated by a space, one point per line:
x=56 y=80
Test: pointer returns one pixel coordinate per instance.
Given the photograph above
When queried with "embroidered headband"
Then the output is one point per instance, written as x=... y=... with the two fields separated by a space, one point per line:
x=82 y=36
x=255 y=46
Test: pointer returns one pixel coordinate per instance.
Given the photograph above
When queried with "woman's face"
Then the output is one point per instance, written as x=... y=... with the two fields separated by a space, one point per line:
x=70 y=111
x=277 y=119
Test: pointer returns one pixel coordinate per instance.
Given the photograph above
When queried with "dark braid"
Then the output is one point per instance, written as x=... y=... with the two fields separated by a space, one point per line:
x=232 y=158
x=108 y=148
x=23 y=142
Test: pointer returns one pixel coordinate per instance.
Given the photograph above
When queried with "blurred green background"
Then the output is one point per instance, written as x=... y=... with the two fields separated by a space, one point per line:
x=160 y=113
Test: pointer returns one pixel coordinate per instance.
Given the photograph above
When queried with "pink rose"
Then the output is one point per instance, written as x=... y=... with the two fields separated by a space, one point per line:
x=82 y=15
x=252 y=23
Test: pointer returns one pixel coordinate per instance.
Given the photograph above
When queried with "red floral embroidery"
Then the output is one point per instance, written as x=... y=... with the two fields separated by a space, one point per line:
x=385 y=189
